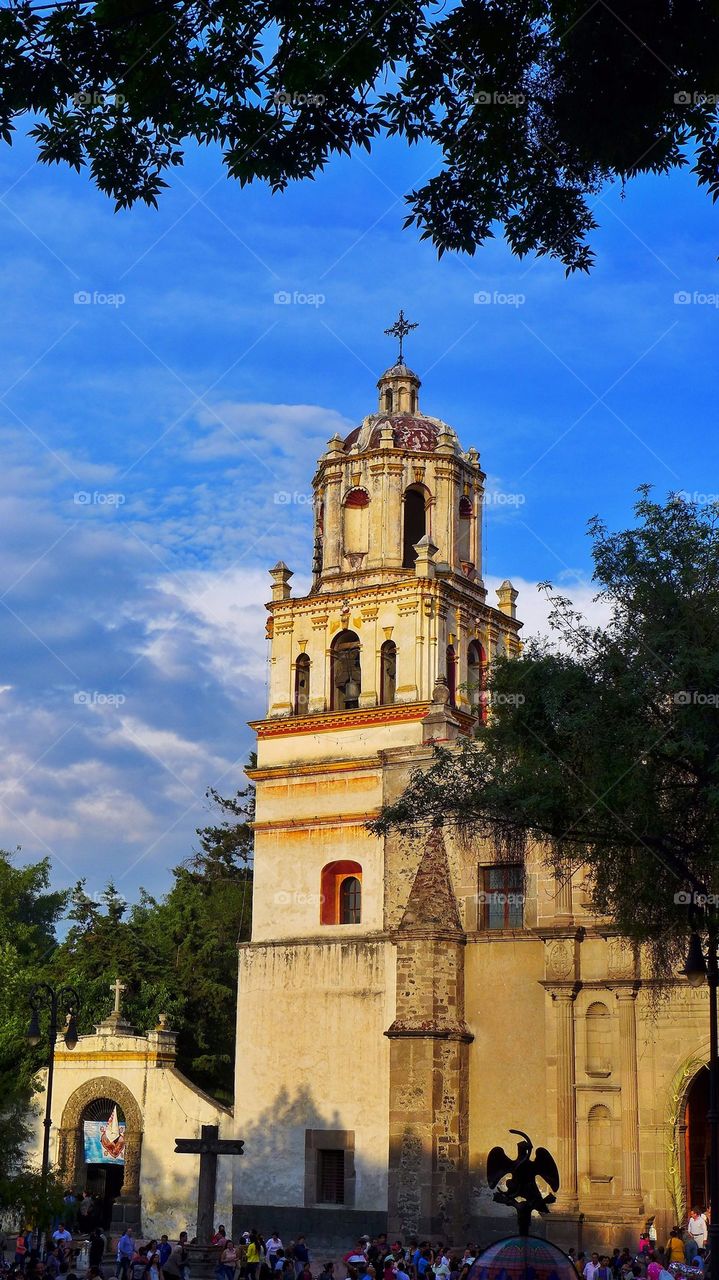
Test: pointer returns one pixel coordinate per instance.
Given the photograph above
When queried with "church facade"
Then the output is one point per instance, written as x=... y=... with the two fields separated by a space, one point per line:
x=404 y=1003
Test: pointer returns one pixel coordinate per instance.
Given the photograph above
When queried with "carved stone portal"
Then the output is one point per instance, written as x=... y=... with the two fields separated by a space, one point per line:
x=71 y=1152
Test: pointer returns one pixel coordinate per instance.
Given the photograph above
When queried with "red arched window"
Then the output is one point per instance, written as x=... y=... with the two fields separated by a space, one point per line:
x=452 y=674
x=341 y=893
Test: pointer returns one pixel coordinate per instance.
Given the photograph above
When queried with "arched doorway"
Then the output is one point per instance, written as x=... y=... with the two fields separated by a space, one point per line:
x=696 y=1142
x=100 y=1145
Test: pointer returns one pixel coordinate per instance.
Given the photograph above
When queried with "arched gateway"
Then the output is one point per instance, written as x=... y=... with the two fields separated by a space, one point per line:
x=84 y=1164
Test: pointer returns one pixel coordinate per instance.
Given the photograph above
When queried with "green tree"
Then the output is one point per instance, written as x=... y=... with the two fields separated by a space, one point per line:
x=29 y=914
x=604 y=745
x=532 y=105
x=177 y=954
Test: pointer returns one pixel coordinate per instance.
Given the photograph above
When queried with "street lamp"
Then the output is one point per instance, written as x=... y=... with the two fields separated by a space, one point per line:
x=67 y=1000
x=702 y=967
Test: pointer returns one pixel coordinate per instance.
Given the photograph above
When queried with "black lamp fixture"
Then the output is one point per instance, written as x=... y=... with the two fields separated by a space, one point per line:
x=34 y=1034
x=695 y=968
x=66 y=999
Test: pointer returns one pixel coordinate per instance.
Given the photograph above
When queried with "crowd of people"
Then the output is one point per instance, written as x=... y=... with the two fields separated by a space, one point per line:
x=254 y=1257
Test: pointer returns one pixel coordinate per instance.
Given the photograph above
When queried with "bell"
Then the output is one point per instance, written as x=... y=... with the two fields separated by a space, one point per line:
x=352 y=690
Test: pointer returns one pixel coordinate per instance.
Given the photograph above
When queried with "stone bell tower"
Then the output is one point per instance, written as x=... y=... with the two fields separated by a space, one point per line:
x=385 y=655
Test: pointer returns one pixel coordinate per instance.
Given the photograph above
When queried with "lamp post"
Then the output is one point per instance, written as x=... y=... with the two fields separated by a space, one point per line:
x=63 y=999
x=702 y=968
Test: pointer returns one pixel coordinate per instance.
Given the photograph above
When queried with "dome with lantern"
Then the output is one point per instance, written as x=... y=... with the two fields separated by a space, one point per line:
x=399 y=424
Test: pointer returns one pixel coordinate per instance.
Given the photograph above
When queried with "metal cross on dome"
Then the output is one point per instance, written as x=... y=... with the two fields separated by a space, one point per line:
x=400 y=329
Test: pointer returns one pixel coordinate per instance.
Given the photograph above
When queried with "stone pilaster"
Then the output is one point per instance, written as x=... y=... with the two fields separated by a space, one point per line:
x=564 y=998
x=429 y=1065
x=631 y=1174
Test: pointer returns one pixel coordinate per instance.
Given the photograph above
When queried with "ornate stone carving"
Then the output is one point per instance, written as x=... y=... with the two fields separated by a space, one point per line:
x=620 y=959
x=71 y=1137
x=560 y=960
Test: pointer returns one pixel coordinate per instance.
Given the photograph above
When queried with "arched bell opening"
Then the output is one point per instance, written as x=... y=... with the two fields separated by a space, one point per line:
x=346 y=671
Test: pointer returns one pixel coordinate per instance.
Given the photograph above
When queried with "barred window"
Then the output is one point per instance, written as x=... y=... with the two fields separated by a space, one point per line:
x=501 y=897
x=330 y=1176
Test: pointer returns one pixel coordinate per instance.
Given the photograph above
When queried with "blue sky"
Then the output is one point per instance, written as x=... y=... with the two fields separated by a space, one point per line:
x=184 y=405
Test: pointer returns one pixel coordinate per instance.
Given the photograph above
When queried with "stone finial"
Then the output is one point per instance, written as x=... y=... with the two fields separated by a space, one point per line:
x=426 y=551
x=280 y=575
x=335 y=445
x=507 y=597
x=445 y=440
x=432 y=905
x=439 y=725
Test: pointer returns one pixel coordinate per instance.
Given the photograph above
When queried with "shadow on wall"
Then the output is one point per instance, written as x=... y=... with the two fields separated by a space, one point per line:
x=280 y=1181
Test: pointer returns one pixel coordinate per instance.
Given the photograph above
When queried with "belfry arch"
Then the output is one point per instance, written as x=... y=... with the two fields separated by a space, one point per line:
x=70 y=1151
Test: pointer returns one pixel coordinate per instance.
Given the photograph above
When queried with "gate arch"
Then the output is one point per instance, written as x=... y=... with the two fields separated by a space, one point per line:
x=70 y=1152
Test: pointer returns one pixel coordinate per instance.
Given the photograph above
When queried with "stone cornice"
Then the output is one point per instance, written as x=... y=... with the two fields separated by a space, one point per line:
x=461 y=592
x=319 y=940
x=400 y=1031
x=332 y=721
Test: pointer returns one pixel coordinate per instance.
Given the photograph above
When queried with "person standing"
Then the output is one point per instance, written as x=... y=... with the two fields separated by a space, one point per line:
x=253 y=1256
x=125 y=1254
x=228 y=1261
x=272 y=1248
x=675 y=1247
x=176 y=1267
x=592 y=1267
x=301 y=1255
x=697 y=1229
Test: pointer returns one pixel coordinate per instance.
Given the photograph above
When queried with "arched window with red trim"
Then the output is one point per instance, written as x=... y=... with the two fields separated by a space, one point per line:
x=341 y=893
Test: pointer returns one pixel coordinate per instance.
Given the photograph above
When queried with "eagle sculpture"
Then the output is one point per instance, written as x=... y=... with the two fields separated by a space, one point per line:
x=521 y=1190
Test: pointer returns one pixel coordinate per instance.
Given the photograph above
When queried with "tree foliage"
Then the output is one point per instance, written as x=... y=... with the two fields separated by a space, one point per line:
x=533 y=105
x=604 y=744
x=176 y=955
x=29 y=914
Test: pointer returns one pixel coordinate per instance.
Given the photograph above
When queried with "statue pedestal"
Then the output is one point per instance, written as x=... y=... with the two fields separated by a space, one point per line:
x=127 y=1212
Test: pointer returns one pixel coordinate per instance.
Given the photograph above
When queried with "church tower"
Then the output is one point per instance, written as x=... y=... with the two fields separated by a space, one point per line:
x=352 y=1045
